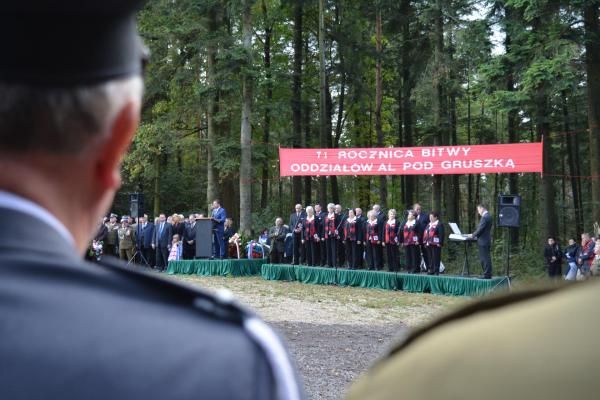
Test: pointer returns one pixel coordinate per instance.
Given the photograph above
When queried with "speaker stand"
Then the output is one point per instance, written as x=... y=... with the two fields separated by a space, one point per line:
x=507 y=263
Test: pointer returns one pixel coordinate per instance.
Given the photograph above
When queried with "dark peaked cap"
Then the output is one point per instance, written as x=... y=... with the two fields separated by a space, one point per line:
x=69 y=42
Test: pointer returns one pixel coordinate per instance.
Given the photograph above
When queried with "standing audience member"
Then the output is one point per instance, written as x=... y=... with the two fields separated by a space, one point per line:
x=434 y=240
x=391 y=241
x=353 y=236
x=553 y=258
x=412 y=243
x=331 y=235
x=163 y=235
x=571 y=257
x=218 y=216
x=126 y=240
x=102 y=232
x=372 y=241
x=178 y=225
x=585 y=255
x=189 y=238
x=310 y=238
x=297 y=225
x=112 y=236
x=144 y=239
x=277 y=236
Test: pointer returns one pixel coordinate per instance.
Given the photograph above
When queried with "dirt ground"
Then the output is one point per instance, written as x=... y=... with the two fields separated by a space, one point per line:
x=333 y=333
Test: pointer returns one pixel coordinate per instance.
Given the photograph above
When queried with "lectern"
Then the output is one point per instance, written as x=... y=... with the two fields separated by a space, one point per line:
x=204 y=237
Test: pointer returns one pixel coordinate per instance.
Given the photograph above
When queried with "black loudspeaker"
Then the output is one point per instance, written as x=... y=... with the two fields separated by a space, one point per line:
x=136 y=205
x=509 y=210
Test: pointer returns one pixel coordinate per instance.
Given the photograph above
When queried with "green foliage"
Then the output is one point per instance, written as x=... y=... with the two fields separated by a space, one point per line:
x=538 y=44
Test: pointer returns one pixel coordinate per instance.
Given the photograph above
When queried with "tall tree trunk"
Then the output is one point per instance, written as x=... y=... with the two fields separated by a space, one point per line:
x=157 y=185
x=267 y=117
x=438 y=97
x=543 y=131
x=453 y=180
x=378 y=102
x=297 y=95
x=407 y=86
x=512 y=115
x=335 y=190
x=592 y=63
x=323 y=133
x=470 y=199
x=573 y=163
x=306 y=115
x=246 y=125
x=212 y=191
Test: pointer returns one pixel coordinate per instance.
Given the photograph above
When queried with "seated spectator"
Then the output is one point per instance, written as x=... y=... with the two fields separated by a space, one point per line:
x=571 y=257
x=585 y=255
x=233 y=246
x=595 y=268
x=229 y=232
x=553 y=258
x=263 y=239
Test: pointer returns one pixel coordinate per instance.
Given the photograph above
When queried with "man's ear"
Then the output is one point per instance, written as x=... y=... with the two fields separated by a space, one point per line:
x=121 y=134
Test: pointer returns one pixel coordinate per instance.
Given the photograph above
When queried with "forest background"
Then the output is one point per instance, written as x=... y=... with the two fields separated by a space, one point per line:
x=229 y=81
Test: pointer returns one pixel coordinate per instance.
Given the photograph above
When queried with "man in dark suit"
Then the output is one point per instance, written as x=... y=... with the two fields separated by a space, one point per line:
x=218 y=217
x=144 y=235
x=161 y=242
x=189 y=238
x=296 y=225
x=381 y=232
x=421 y=221
x=483 y=234
x=71 y=90
x=320 y=217
x=277 y=236
x=360 y=225
x=340 y=222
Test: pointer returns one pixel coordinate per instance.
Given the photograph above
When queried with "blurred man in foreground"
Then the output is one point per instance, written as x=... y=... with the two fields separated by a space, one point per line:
x=70 y=98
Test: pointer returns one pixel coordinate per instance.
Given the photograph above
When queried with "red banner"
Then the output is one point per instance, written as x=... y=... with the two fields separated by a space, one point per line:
x=506 y=158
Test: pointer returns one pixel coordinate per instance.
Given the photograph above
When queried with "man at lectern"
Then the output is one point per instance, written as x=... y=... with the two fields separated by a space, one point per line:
x=483 y=234
x=218 y=217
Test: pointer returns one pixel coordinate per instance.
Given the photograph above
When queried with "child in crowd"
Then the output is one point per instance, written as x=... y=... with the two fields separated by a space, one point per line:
x=175 y=253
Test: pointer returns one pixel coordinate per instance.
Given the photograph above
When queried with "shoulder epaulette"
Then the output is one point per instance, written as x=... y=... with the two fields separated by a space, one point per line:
x=214 y=305
x=481 y=306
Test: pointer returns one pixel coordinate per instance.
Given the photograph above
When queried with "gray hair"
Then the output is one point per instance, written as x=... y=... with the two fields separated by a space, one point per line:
x=61 y=120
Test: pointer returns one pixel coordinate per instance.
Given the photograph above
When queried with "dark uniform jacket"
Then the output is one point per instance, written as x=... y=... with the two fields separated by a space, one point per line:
x=144 y=235
x=297 y=222
x=483 y=233
x=552 y=251
x=102 y=233
x=277 y=235
x=497 y=348
x=75 y=330
x=164 y=238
